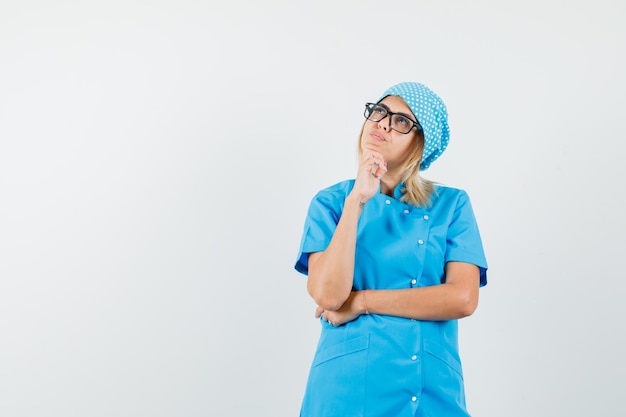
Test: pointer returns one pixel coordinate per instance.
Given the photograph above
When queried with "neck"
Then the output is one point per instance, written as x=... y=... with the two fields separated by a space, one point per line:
x=389 y=182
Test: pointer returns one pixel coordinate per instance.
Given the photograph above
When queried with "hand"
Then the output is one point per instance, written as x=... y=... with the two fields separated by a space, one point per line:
x=372 y=166
x=349 y=311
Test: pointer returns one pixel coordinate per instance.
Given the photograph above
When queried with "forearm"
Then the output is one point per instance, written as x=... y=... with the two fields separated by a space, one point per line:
x=437 y=302
x=331 y=272
x=455 y=299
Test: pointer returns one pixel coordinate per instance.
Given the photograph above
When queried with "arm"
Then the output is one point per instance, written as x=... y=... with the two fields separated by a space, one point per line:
x=331 y=272
x=456 y=298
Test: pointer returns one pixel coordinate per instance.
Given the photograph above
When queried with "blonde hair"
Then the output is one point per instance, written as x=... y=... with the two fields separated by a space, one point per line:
x=417 y=190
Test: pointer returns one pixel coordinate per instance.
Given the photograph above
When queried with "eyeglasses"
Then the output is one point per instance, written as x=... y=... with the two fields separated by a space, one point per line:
x=399 y=122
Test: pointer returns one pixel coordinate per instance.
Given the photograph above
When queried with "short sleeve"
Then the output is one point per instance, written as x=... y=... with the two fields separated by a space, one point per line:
x=463 y=242
x=319 y=226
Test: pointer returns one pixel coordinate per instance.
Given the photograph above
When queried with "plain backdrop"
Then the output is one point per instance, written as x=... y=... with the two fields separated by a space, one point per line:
x=157 y=159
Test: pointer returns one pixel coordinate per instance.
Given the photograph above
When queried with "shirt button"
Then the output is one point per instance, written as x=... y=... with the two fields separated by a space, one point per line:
x=413 y=281
x=387 y=202
x=420 y=242
x=414 y=399
x=414 y=357
x=406 y=212
x=426 y=217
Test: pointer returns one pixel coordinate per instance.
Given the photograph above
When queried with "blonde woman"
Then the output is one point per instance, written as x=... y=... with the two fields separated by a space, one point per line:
x=393 y=261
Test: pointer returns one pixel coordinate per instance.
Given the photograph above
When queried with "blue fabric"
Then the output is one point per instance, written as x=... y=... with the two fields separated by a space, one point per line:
x=432 y=115
x=380 y=365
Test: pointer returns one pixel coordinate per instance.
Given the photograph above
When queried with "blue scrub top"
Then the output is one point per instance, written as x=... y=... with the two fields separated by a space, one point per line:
x=381 y=365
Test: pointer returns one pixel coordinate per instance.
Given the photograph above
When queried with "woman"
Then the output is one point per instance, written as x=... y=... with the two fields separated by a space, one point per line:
x=393 y=260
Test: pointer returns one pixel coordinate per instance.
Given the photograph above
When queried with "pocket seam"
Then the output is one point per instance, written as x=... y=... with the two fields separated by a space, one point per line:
x=343 y=348
x=444 y=356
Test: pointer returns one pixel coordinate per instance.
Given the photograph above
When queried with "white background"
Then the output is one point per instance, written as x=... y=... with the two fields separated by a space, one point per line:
x=157 y=159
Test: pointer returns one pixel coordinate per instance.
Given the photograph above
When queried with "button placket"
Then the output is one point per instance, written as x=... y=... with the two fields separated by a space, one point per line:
x=426 y=217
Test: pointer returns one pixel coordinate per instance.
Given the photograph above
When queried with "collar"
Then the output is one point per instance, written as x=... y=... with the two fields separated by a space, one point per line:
x=398 y=191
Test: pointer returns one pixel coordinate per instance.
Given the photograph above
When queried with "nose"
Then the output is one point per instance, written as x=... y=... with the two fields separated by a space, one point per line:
x=385 y=126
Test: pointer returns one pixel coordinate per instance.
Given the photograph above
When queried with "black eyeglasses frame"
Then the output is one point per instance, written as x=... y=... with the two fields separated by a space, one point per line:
x=369 y=108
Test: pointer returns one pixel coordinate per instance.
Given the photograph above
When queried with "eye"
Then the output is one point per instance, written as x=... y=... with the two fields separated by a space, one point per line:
x=379 y=110
x=402 y=121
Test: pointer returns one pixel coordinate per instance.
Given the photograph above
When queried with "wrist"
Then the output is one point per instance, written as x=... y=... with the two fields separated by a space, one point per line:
x=355 y=200
x=364 y=309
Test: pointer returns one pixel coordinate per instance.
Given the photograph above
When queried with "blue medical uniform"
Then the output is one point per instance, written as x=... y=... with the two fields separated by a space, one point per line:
x=381 y=365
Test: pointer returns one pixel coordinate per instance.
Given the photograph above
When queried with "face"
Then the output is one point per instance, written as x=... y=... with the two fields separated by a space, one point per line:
x=395 y=147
